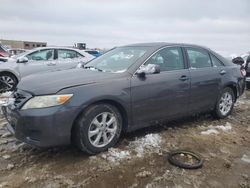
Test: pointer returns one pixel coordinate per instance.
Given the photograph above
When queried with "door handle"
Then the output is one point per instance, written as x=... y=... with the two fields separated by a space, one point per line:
x=222 y=72
x=183 y=78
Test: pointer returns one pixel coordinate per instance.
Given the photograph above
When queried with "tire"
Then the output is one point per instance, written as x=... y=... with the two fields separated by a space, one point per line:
x=248 y=85
x=173 y=161
x=225 y=103
x=89 y=127
x=9 y=82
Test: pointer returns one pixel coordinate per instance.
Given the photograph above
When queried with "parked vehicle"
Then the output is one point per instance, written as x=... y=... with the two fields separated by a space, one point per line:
x=95 y=53
x=125 y=89
x=248 y=72
x=40 y=60
x=16 y=51
x=3 y=54
x=244 y=61
x=246 y=58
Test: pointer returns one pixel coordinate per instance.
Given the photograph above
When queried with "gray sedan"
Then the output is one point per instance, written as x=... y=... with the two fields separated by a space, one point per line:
x=39 y=60
x=125 y=89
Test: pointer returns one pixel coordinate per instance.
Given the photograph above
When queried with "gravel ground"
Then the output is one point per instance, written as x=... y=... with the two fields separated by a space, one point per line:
x=139 y=160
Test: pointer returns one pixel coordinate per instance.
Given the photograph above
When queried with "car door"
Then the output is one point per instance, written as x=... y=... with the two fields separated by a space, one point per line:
x=39 y=61
x=68 y=59
x=161 y=96
x=205 y=80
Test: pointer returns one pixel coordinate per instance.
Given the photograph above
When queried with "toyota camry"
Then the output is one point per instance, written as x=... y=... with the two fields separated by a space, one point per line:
x=127 y=88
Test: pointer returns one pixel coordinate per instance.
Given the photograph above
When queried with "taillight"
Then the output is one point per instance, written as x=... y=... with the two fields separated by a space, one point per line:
x=3 y=54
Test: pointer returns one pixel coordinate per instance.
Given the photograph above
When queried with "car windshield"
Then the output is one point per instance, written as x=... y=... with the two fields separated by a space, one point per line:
x=117 y=60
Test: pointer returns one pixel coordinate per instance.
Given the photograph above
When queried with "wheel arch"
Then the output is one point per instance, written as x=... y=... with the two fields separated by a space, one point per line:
x=233 y=86
x=115 y=103
x=11 y=73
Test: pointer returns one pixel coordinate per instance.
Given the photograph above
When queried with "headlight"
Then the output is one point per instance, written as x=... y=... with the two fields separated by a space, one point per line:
x=46 y=101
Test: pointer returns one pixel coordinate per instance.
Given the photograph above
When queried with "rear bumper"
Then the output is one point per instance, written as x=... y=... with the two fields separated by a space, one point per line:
x=41 y=127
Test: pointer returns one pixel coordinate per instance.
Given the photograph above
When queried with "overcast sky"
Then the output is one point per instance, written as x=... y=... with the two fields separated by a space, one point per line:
x=222 y=25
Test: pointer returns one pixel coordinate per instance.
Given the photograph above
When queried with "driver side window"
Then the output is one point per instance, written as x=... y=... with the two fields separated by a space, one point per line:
x=168 y=59
x=41 y=55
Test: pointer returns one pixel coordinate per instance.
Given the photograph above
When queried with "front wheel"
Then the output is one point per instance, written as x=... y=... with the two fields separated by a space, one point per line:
x=225 y=103
x=98 y=128
x=9 y=82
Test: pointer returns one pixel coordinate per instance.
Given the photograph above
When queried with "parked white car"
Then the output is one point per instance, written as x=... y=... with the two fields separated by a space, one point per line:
x=39 y=60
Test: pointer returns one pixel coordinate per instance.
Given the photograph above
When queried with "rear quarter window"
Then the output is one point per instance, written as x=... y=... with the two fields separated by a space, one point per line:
x=198 y=58
x=216 y=62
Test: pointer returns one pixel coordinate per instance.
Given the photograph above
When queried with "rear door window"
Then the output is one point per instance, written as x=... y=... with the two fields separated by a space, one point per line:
x=198 y=58
x=216 y=61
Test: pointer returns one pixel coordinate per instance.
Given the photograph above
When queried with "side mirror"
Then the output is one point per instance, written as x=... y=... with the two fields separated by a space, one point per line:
x=238 y=61
x=148 y=69
x=22 y=60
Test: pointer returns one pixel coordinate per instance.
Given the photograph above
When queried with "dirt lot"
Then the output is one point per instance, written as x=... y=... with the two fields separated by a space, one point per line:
x=140 y=158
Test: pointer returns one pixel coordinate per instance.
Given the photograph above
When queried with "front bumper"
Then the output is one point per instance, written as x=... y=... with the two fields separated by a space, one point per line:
x=45 y=127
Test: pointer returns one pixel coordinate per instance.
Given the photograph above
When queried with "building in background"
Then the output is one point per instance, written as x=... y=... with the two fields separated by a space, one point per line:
x=15 y=44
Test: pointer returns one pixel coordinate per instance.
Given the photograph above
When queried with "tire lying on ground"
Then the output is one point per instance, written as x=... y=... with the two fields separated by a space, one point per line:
x=174 y=161
x=98 y=128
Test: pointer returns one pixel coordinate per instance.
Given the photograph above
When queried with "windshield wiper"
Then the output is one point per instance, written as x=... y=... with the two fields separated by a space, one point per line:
x=89 y=67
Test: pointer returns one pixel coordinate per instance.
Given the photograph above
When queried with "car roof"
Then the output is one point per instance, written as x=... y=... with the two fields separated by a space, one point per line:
x=61 y=47
x=54 y=47
x=163 y=44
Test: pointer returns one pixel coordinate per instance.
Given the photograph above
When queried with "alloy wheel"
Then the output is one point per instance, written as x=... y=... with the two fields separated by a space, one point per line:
x=8 y=81
x=225 y=103
x=102 y=129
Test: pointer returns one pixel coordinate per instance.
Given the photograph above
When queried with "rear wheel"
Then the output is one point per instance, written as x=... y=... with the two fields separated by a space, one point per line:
x=98 y=128
x=225 y=103
x=9 y=82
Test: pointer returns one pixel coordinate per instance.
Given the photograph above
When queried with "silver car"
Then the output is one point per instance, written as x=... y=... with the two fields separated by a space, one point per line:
x=39 y=60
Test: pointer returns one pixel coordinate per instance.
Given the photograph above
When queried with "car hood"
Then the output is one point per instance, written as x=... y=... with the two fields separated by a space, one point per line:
x=52 y=82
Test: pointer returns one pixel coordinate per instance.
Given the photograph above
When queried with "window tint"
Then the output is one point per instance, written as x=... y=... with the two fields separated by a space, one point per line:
x=168 y=59
x=42 y=55
x=216 y=61
x=67 y=54
x=198 y=58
